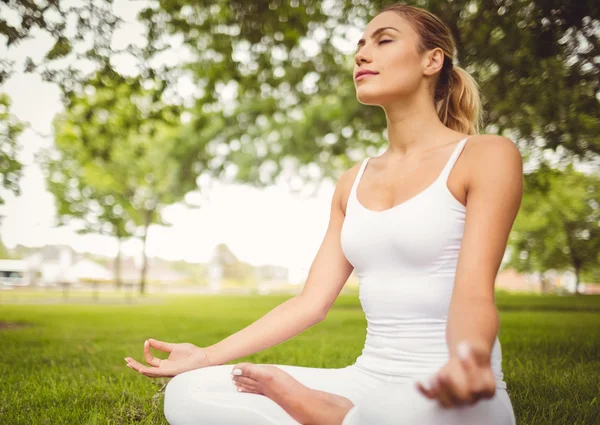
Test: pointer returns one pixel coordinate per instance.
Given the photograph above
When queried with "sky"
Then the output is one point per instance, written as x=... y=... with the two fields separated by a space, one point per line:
x=270 y=225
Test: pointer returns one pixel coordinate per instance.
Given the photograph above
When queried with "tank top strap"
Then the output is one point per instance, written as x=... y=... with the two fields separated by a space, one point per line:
x=452 y=160
x=361 y=170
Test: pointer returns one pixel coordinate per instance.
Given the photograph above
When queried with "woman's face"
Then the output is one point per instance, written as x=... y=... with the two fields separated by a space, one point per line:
x=392 y=54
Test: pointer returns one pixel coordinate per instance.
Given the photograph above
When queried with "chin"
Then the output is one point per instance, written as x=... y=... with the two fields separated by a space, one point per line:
x=366 y=98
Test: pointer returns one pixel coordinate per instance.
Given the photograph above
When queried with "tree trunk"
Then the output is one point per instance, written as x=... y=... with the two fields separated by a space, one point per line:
x=545 y=285
x=118 y=281
x=147 y=221
x=577 y=271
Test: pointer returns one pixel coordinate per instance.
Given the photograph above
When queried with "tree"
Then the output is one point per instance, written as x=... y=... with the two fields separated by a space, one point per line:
x=10 y=167
x=94 y=23
x=4 y=253
x=535 y=62
x=558 y=225
x=294 y=100
x=122 y=155
x=87 y=200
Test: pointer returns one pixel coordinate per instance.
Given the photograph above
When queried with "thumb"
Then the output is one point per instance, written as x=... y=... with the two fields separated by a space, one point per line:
x=480 y=353
x=167 y=347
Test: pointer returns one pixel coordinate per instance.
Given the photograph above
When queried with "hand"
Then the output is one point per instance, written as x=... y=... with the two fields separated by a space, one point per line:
x=182 y=357
x=465 y=379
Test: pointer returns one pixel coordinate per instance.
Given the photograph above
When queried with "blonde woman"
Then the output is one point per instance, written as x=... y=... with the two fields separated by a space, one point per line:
x=424 y=225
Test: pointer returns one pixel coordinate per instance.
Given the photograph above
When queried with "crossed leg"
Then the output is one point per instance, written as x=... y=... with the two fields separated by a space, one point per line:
x=388 y=404
x=208 y=396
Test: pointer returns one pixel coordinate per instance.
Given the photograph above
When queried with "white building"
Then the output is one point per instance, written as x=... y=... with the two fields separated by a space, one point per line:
x=13 y=273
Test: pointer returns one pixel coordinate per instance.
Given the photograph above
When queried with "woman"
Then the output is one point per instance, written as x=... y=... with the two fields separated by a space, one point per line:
x=426 y=244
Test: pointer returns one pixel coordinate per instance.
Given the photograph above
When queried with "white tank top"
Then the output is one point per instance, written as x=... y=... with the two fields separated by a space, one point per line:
x=405 y=258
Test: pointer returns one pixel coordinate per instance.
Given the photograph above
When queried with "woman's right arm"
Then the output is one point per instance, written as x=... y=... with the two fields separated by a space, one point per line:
x=327 y=275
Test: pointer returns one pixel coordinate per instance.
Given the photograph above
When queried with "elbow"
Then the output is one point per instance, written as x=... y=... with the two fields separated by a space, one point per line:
x=319 y=314
x=316 y=311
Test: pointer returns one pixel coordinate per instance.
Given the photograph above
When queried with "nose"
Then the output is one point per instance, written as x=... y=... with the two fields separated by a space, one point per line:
x=361 y=56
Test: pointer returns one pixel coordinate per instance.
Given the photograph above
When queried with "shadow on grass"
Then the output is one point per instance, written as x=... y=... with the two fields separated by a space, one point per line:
x=13 y=325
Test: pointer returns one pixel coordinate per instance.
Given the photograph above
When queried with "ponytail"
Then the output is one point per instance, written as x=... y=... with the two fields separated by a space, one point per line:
x=458 y=101
x=456 y=94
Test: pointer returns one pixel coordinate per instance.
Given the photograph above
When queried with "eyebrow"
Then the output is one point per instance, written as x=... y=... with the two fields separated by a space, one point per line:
x=375 y=34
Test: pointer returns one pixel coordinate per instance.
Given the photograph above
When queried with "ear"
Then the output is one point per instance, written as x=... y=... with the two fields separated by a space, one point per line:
x=433 y=61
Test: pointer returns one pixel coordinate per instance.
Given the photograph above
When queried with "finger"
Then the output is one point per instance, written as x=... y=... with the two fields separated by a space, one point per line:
x=144 y=370
x=428 y=387
x=481 y=355
x=247 y=390
x=454 y=392
x=467 y=360
x=248 y=387
x=167 y=347
x=242 y=380
x=150 y=359
x=243 y=369
x=482 y=384
x=443 y=395
x=486 y=386
x=424 y=390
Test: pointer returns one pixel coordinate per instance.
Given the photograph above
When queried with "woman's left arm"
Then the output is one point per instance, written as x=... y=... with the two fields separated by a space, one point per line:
x=494 y=193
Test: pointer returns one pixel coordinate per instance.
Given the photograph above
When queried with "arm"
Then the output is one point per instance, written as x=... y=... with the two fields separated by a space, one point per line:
x=494 y=193
x=327 y=275
x=494 y=196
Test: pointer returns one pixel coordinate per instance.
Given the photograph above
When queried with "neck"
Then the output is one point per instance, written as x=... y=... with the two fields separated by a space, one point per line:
x=413 y=125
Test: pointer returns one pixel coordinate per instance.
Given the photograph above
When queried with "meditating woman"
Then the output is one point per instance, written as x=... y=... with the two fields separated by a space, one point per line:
x=424 y=225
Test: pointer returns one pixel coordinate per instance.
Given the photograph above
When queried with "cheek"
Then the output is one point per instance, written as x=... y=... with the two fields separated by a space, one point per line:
x=400 y=74
x=396 y=79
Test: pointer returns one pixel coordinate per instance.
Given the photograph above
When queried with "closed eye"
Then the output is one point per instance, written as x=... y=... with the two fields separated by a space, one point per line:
x=381 y=42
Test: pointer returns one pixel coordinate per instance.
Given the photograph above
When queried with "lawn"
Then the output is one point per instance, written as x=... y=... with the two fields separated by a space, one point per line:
x=62 y=362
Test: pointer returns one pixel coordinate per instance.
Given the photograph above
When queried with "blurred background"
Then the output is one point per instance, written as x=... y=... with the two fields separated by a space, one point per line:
x=184 y=146
x=167 y=169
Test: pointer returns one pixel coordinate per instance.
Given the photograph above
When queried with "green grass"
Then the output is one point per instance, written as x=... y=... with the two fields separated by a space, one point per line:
x=65 y=365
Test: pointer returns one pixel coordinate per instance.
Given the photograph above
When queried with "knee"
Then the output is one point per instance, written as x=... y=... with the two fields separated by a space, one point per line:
x=404 y=404
x=176 y=396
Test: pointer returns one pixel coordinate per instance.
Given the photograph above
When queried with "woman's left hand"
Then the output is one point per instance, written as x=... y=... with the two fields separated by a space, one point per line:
x=465 y=379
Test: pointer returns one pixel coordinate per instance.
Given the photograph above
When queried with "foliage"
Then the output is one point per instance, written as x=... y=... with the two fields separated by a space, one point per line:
x=120 y=157
x=4 y=252
x=558 y=225
x=289 y=67
x=10 y=167
x=533 y=60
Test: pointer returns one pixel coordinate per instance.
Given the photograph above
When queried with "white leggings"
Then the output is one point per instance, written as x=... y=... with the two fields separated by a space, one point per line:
x=207 y=396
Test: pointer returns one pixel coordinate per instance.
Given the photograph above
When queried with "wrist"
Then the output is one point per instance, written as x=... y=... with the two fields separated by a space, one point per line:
x=465 y=347
x=212 y=357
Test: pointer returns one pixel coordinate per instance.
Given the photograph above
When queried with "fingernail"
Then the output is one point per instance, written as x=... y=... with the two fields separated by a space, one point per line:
x=463 y=350
x=126 y=360
x=146 y=342
x=236 y=372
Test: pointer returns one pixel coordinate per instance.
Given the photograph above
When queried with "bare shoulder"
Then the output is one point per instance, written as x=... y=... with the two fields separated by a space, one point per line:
x=344 y=184
x=493 y=155
x=487 y=149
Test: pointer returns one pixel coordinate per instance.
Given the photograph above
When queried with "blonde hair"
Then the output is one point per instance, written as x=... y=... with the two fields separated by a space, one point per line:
x=456 y=92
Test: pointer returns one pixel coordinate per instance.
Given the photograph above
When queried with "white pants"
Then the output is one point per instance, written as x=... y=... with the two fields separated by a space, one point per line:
x=207 y=396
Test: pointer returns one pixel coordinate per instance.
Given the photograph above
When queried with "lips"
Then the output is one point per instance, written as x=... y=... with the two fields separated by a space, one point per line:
x=363 y=73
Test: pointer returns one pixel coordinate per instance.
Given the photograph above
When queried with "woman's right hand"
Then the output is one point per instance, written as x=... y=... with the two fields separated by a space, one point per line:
x=182 y=357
